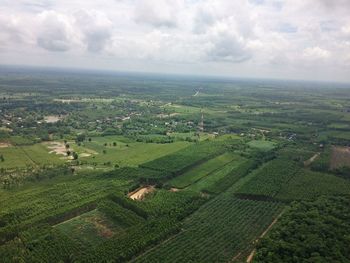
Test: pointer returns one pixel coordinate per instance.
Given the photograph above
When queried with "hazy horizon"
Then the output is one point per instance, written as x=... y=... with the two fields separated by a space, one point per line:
x=258 y=39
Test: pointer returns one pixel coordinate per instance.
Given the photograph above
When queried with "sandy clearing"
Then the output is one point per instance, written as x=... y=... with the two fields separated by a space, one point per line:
x=84 y=155
x=5 y=144
x=57 y=147
x=140 y=193
x=173 y=189
x=52 y=118
x=340 y=156
x=67 y=100
x=311 y=160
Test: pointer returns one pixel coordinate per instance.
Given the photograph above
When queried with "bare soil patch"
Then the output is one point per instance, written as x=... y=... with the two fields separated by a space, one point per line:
x=311 y=160
x=67 y=100
x=85 y=154
x=101 y=227
x=173 y=189
x=5 y=144
x=57 y=147
x=52 y=118
x=140 y=193
x=340 y=156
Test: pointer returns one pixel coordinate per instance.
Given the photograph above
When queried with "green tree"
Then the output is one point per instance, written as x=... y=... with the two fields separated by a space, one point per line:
x=75 y=156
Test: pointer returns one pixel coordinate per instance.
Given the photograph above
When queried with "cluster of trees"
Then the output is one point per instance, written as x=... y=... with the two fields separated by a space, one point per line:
x=314 y=231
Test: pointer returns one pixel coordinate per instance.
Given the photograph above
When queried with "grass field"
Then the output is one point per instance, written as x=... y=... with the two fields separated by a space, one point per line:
x=215 y=176
x=202 y=170
x=90 y=228
x=130 y=154
x=124 y=153
x=28 y=155
x=262 y=145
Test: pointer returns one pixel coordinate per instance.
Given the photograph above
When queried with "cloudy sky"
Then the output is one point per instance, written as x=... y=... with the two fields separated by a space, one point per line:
x=291 y=39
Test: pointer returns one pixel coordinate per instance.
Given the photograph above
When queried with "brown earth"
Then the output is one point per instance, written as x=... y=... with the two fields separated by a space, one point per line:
x=5 y=144
x=311 y=160
x=140 y=193
x=340 y=156
x=101 y=227
x=57 y=147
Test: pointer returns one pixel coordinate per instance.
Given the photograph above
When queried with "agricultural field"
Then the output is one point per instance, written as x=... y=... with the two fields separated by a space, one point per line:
x=262 y=145
x=27 y=156
x=220 y=231
x=140 y=168
x=211 y=179
x=286 y=181
x=202 y=170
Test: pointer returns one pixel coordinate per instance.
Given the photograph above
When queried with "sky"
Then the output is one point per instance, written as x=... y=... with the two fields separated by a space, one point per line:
x=291 y=39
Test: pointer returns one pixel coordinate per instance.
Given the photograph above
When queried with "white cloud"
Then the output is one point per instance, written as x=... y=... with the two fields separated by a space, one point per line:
x=158 y=13
x=316 y=53
x=214 y=35
x=56 y=31
x=96 y=28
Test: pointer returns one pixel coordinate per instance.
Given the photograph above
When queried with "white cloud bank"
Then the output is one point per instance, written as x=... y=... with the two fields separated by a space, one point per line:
x=302 y=39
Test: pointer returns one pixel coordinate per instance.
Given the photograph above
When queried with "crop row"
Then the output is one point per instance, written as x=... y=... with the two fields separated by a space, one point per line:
x=188 y=157
x=217 y=232
x=202 y=170
x=269 y=179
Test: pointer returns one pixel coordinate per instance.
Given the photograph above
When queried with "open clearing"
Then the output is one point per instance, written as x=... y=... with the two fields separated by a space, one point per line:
x=29 y=155
x=57 y=147
x=126 y=154
x=140 y=193
x=5 y=144
x=340 y=157
x=52 y=118
x=262 y=145
x=89 y=228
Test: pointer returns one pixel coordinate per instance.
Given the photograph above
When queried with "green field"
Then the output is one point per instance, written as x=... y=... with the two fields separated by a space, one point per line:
x=148 y=168
x=90 y=228
x=214 y=177
x=29 y=155
x=131 y=154
x=262 y=145
x=285 y=180
x=217 y=232
x=203 y=170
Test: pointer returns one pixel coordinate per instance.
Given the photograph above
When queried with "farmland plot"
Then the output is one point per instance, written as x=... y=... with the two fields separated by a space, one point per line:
x=229 y=173
x=203 y=170
x=217 y=232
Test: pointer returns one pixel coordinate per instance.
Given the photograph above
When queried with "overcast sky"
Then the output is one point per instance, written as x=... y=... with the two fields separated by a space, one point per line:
x=291 y=39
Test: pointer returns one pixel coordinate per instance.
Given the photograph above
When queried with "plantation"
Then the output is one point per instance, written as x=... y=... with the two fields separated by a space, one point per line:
x=217 y=177
x=218 y=231
x=269 y=180
x=294 y=183
x=202 y=170
x=104 y=168
x=192 y=155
